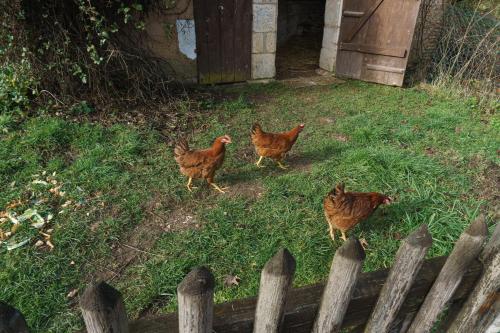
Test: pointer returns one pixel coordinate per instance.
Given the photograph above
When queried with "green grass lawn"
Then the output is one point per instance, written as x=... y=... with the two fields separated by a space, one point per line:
x=437 y=157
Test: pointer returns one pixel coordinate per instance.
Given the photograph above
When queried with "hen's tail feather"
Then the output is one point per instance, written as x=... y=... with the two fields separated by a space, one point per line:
x=336 y=191
x=256 y=128
x=181 y=147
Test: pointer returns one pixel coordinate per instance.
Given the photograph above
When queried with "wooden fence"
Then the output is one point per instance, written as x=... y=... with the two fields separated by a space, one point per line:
x=461 y=291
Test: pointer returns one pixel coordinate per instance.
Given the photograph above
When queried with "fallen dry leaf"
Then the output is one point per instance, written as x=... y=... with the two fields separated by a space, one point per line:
x=14 y=228
x=94 y=226
x=231 y=280
x=72 y=293
x=13 y=246
x=363 y=243
x=41 y=182
x=56 y=190
x=66 y=204
x=14 y=204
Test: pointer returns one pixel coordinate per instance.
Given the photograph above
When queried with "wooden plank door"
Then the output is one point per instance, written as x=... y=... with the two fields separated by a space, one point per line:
x=223 y=40
x=375 y=39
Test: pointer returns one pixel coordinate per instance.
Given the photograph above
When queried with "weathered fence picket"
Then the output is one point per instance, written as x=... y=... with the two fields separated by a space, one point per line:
x=383 y=301
x=196 y=301
x=466 y=249
x=482 y=308
x=409 y=259
x=344 y=272
x=493 y=244
x=103 y=310
x=276 y=278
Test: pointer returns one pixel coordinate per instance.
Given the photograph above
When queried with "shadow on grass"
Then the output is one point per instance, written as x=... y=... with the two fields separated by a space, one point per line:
x=300 y=161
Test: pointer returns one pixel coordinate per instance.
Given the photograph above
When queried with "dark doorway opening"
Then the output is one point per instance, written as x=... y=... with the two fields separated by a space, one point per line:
x=300 y=34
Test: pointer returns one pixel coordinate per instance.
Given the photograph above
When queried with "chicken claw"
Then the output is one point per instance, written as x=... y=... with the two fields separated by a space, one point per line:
x=284 y=167
x=343 y=237
x=221 y=190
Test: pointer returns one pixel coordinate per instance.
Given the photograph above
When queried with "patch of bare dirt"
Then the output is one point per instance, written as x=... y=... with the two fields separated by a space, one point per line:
x=247 y=154
x=315 y=80
x=136 y=245
x=298 y=162
x=327 y=120
x=341 y=137
x=250 y=190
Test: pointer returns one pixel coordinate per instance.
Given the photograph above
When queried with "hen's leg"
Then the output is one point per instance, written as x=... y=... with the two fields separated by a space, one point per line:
x=258 y=162
x=189 y=186
x=343 y=235
x=332 y=232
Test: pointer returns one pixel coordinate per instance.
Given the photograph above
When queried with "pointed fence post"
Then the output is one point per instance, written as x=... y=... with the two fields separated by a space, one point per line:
x=275 y=281
x=103 y=310
x=11 y=320
x=466 y=249
x=482 y=308
x=409 y=259
x=344 y=273
x=493 y=244
x=196 y=301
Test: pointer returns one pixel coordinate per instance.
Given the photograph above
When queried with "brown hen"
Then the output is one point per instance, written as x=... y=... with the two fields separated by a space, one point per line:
x=201 y=163
x=274 y=145
x=343 y=210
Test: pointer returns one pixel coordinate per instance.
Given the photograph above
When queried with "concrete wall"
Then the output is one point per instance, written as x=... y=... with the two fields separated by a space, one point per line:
x=170 y=35
x=264 y=28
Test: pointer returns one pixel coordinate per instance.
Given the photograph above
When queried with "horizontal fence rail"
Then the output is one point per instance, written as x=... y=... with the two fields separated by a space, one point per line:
x=409 y=297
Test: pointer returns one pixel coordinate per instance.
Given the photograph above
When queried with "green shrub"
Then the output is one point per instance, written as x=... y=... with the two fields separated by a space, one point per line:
x=82 y=108
x=18 y=83
x=17 y=86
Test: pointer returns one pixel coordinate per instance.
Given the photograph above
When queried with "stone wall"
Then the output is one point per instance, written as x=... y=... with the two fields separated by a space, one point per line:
x=264 y=31
x=427 y=32
x=170 y=36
